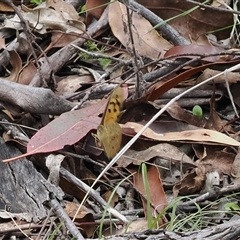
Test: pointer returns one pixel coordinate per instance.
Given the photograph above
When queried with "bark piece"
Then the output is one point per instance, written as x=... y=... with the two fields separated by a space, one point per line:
x=23 y=189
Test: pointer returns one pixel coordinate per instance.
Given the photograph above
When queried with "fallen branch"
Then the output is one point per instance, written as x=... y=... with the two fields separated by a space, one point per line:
x=33 y=99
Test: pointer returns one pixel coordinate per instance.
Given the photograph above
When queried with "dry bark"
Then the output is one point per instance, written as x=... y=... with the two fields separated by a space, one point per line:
x=23 y=189
x=33 y=99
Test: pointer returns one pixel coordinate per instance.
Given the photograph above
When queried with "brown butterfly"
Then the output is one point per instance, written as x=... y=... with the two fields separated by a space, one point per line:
x=109 y=132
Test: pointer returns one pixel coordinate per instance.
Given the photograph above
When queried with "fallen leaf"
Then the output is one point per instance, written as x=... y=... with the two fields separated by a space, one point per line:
x=194 y=25
x=136 y=226
x=157 y=195
x=16 y=63
x=195 y=49
x=27 y=73
x=53 y=163
x=94 y=9
x=192 y=183
x=84 y=219
x=67 y=129
x=198 y=135
x=71 y=84
x=158 y=89
x=220 y=161
x=162 y=150
x=147 y=41
x=235 y=170
x=182 y=114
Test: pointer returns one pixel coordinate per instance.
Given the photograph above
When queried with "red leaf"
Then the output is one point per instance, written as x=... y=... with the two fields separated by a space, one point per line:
x=157 y=194
x=67 y=129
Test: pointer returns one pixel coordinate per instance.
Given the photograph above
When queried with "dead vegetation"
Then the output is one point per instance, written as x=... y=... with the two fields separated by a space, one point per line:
x=158 y=159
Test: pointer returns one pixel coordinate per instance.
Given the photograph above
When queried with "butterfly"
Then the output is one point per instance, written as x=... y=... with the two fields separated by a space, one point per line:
x=109 y=132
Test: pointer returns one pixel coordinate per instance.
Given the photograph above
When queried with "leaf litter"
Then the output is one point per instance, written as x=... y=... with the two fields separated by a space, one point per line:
x=179 y=156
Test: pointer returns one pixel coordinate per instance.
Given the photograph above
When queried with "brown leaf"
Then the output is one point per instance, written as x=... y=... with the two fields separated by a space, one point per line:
x=146 y=40
x=61 y=39
x=83 y=216
x=5 y=7
x=161 y=87
x=235 y=93
x=16 y=63
x=163 y=150
x=157 y=194
x=136 y=226
x=220 y=161
x=195 y=49
x=95 y=8
x=62 y=7
x=235 y=171
x=190 y=184
x=71 y=84
x=214 y=121
x=106 y=196
x=27 y=73
x=183 y=115
x=231 y=77
x=194 y=25
x=197 y=135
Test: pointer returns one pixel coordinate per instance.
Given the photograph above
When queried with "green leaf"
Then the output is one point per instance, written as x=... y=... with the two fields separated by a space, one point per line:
x=232 y=206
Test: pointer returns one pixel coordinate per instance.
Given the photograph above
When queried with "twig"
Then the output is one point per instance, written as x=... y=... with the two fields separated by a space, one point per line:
x=81 y=157
x=44 y=224
x=107 y=73
x=17 y=225
x=70 y=177
x=230 y=94
x=100 y=55
x=62 y=215
x=209 y=195
x=14 y=131
x=135 y=56
x=165 y=29
x=213 y=8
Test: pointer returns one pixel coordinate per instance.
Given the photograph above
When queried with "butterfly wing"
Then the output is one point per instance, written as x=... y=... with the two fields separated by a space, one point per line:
x=109 y=132
x=114 y=107
x=110 y=137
